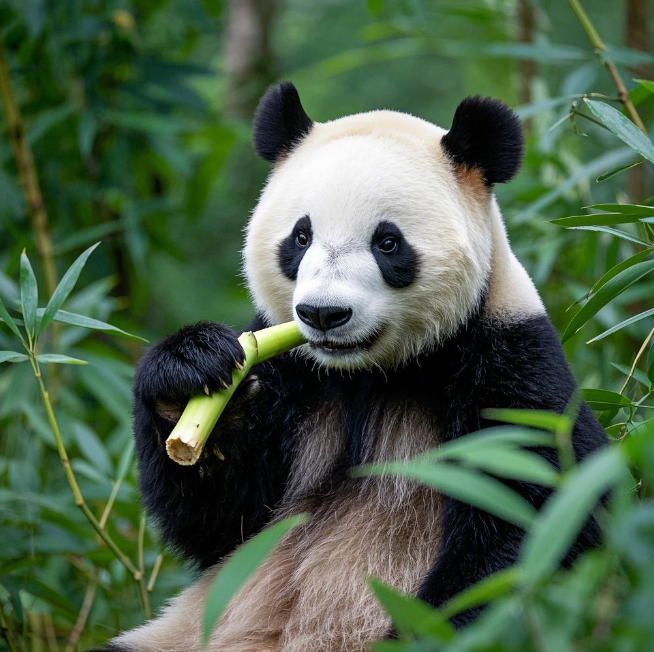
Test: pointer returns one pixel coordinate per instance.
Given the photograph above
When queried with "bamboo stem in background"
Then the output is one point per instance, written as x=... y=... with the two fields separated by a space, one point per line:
x=27 y=175
x=6 y=633
x=600 y=47
x=136 y=573
x=82 y=617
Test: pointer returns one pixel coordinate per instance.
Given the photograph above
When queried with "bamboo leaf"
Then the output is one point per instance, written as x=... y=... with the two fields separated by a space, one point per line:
x=596 y=219
x=615 y=232
x=29 y=296
x=614 y=271
x=64 y=288
x=622 y=127
x=646 y=83
x=465 y=485
x=74 y=319
x=564 y=514
x=513 y=463
x=626 y=209
x=410 y=615
x=7 y=319
x=490 y=588
x=603 y=399
x=56 y=358
x=238 y=568
x=621 y=325
x=617 y=170
x=550 y=421
x=605 y=294
x=12 y=356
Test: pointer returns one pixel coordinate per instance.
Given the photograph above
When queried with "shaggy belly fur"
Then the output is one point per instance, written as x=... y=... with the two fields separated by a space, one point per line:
x=311 y=593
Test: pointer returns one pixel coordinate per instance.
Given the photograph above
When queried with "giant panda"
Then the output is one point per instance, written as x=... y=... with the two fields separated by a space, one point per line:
x=380 y=235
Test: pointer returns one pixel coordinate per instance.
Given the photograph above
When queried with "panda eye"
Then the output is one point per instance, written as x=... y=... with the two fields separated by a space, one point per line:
x=388 y=245
x=301 y=239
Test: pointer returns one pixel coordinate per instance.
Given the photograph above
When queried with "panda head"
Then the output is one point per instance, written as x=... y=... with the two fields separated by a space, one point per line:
x=373 y=231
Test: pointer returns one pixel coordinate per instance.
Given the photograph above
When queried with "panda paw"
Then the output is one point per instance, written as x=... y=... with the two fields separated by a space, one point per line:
x=197 y=359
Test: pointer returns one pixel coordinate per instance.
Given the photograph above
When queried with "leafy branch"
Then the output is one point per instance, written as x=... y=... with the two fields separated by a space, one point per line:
x=35 y=323
x=601 y=49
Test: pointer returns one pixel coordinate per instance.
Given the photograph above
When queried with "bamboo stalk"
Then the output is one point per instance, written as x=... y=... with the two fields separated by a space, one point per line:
x=27 y=175
x=185 y=443
x=600 y=47
x=80 y=502
x=82 y=617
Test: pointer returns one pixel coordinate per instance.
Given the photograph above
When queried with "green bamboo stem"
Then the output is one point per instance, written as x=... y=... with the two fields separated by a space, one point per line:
x=599 y=46
x=136 y=573
x=186 y=441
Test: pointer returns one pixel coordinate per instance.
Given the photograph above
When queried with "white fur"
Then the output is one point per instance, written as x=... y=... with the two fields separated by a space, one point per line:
x=349 y=175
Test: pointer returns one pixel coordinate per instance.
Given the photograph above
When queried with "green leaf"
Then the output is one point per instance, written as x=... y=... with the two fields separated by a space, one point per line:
x=490 y=588
x=596 y=219
x=92 y=448
x=615 y=232
x=639 y=375
x=72 y=318
x=12 y=356
x=621 y=325
x=542 y=419
x=614 y=271
x=606 y=293
x=646 y=83
x=650 y=363
x=238 y=568
x=463 y=484
x=513 y=463
x=622 y=127
x=56 y=358
x=6 y=318
x=565 y=513
x=64 y=288
x=411 y=615
x=29 y=296
x=626 y=209
x=605 y=176
x=603 y=399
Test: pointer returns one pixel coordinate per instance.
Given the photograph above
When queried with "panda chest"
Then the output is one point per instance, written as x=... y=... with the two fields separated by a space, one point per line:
x=311 y=591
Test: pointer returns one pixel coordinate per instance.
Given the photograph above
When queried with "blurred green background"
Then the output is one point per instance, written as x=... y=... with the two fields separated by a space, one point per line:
x=138 y=116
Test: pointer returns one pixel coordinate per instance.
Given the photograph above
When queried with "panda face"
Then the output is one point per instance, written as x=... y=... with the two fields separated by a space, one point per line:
x=365 y=237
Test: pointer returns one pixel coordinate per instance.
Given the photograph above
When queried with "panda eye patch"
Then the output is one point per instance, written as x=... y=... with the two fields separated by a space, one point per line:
x=292 y=248
x=397 y=260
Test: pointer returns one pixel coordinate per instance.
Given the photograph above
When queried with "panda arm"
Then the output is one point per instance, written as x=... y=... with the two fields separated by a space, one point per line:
x=205 y=510
x=517 y=366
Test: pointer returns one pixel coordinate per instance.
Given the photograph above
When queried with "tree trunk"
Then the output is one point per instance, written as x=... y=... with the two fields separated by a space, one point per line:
x=248 y=55
x=637 y=37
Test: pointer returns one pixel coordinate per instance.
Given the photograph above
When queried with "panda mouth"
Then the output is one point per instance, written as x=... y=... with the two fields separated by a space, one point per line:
x=334 y=348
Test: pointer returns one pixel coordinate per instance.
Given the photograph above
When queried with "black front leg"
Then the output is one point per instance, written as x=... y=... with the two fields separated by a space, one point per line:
x=475 y=544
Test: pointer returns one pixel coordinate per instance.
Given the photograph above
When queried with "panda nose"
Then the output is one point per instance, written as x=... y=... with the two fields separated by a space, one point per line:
x=323 y=317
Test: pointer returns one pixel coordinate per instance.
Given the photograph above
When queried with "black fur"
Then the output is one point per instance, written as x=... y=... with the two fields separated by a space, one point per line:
x=206 y=510
x=280 y=122
x=486 y=135
x=400 y=267
x=289 y=252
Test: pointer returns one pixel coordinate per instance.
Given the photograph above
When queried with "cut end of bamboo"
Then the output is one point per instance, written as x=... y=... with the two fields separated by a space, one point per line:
x=183 y=452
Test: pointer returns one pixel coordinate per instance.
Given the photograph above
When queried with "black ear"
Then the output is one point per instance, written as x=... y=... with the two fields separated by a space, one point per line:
x=280 y=122
x=485 y=134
